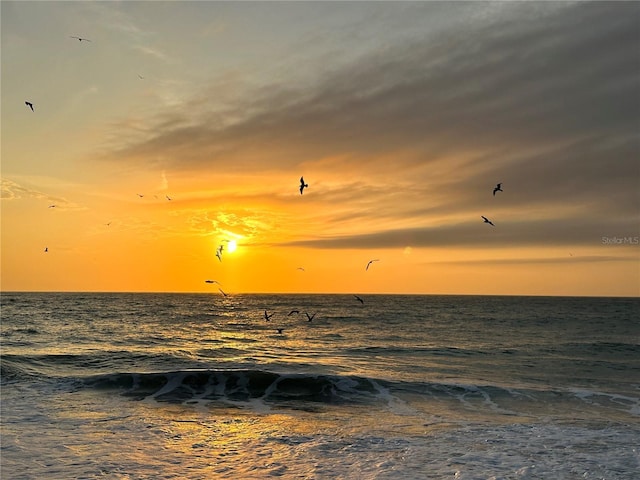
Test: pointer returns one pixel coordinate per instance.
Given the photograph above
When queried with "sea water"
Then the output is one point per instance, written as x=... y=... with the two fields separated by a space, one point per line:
x=181 y=386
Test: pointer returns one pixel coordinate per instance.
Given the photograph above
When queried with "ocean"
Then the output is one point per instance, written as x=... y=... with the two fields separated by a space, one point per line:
x=200 y=386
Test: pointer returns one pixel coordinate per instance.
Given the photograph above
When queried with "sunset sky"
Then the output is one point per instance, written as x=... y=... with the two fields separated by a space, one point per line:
x=401 y=116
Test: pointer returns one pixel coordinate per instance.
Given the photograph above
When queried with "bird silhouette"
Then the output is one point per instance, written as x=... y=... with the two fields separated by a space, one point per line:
x=280 y=330
x=370 y=262
x=140 y=195
x=309 y=317
x=168 y=197
x=486 y=220
x=222 y=292
x=267 y=317
x=359 y=299
x=52 y=206
x=212 y=281
x=303 y=185
x=46 y=249
x=80 y=39
x=498 y=188
x=292 y=312
x=30 y=105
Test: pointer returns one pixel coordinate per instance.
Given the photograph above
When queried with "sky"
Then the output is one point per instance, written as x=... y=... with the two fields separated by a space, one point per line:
x=401 y=116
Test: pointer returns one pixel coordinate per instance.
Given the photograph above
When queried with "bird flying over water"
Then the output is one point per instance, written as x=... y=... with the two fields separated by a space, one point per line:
x=212 y=281
x=300 y=268
x=486 y=220
x=267 y=317
x=370 y=262
x=359 y=299
x=309 y=317
x=52 y=206
x=168 y=197
x=280 y=330
x=303 y=185
x=498 y=188
x=222 y=292
x=80 y=39
x=30 y=105
x=292 y=312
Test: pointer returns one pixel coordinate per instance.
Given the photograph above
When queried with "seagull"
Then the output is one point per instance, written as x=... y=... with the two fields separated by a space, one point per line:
x=140 y=77
x=280 y=330
x=486 y=220
x=302 y=185
x=222 y=292
x=300 y=268
x=267 y=317
x=140 y=195
x=30 y=105
x=370 y=262
x=212 y=281
x=359 y=299
x=292 y=312
x=46 y=249
x=108 y=224
x=309 y=317
x=168 y=197
x=52 y=206
x=498 y=188
x=80 y=39
x=219 y=254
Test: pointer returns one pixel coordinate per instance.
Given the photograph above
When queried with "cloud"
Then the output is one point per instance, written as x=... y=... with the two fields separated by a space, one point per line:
x=541 y=97
x=10 y=190
x=475 y=234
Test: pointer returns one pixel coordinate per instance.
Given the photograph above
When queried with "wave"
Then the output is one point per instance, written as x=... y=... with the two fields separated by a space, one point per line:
x=261 y=388
x=233 y=386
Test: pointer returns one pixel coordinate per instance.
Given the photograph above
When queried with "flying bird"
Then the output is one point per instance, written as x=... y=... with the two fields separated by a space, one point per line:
x=30 y=105
x=140 y=195
x=303 y=185
x=267 y=317
x=309 y=317
x=222 y=292
x=498 y=188
x=292 y=312
x=80 y=39
x=212 y=281
x=219 y=254
x=370 y=262
x=300 y=268
x=46 y=249
x=486 y=220
x=359 y=299
x=168 y=197
x=52 y=206
x=280 y=330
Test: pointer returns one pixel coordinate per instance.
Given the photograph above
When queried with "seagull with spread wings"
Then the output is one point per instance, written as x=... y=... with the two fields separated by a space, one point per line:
x=30 y=105
x=498 y=188
x=370 y=262
x=486 y=220
x=303 y=185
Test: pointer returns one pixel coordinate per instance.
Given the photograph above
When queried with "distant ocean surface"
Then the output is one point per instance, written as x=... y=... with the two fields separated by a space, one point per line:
x=181 y=386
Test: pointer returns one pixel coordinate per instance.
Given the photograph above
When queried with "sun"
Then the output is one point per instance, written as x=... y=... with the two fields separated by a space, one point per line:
x=231 y=246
